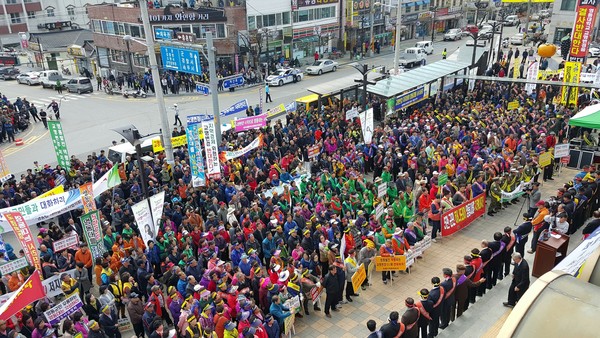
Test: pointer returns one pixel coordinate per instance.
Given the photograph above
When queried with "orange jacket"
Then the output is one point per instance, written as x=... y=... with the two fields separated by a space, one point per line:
x=85 y=258
x=538 y=221
x=383 y=251
x=400 y=248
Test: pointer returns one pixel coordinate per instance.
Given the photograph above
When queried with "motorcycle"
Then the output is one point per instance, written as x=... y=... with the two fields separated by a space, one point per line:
x=135 y=93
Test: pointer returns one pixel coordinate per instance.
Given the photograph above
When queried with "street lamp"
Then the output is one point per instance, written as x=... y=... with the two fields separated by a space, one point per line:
x=364 y=70
x=398 y=32
x=132 y=135
x=127 y=39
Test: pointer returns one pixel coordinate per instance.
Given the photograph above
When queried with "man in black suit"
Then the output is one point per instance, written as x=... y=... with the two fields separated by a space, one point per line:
x=392 y=328
x=449 y=303
x=521 y=236
x=109 y=322
x=520 y=282
x=436 y=296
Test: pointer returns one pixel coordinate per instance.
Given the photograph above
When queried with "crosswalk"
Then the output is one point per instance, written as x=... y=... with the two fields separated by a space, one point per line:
x=61 y=98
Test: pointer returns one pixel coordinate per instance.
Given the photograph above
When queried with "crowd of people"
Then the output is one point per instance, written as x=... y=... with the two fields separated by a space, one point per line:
x=229 y=259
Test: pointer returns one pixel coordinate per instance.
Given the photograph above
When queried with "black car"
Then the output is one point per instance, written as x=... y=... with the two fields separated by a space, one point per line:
x=9 y=73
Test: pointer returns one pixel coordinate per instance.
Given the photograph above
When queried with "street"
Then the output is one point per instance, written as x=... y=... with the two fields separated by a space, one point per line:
x=88 y=119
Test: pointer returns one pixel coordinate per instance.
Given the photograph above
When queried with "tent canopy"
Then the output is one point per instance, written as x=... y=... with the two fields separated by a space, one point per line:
x=589 y=117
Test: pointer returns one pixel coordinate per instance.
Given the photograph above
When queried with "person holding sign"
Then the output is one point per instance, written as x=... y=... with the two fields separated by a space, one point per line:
x=351 y=267
x=386 y=250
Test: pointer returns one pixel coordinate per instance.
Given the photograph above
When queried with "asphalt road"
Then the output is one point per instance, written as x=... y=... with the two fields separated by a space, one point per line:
x=87 y=119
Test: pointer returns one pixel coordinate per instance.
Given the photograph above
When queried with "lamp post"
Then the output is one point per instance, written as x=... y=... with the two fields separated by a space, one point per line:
x=433 y=10
x=132 y=135
x=371 y=40
x=364 y=70
x=398 y=32
x=127 y=39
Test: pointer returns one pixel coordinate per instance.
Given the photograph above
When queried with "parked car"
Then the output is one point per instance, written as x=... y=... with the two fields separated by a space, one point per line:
x=486 y=33
x=80 y=85
x=453 y=34
x=9 y=73
x=594 y=51
x=285 y=75
x=480 y=43
x=48 y=78
x=427 y=46
x=545 y=13
x=512 y=20
x=470 y=30
x=31 y=78
x=516 y=39
x=322 y=66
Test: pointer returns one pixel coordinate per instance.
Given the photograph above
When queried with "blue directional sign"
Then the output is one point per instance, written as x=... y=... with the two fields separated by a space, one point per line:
x=232 y=82
x=181 y=60
x=163 y=34
x=202 y=88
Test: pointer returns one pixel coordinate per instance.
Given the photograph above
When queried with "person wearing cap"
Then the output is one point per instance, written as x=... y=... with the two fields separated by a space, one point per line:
x=230 y=330
x=110 y=322
x=136 y=311
x=94 y=330
x=194 y=329
x=538 y=223
x=271 y=327
x=366 y=256
x=436 y=296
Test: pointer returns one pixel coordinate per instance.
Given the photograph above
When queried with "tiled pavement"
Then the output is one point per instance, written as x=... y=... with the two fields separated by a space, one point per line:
x=483 y=319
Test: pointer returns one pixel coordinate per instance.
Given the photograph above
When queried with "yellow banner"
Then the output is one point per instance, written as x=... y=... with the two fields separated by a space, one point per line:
x=55 y=191
x=177 y=141
x=390 y=263
x=4 y=171
x=276 y=110
x=546 y=74
x=359 y=277
x=513 y=105
x=572 y=71
x=517 y=68
x=545 y=159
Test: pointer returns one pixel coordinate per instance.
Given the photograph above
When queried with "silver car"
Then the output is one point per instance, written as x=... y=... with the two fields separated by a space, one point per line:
x=322 y=66
x=79 y=85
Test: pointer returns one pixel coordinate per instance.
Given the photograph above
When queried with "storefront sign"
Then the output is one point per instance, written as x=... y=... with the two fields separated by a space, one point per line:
x=410 y=98
x=307 y=3
x=390 y=263
x=360 y=5
x=200 y=15
x=461 y=216
x=582 y=29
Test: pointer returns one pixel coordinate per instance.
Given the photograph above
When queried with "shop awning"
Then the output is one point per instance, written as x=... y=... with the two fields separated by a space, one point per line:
x=344 y=83
x=395 y=85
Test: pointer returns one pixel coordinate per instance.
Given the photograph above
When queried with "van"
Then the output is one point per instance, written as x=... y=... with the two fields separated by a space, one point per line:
x=427 y=46
x=512 y=20
x=48 y=78
x=80 y=85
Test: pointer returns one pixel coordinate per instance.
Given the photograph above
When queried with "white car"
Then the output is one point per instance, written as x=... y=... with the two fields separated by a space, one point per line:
x=516 y=39
x=453 y=34
x=322 y=66
x=31 y=78
x=480 y=42
x=285 y=75
x=594 y=52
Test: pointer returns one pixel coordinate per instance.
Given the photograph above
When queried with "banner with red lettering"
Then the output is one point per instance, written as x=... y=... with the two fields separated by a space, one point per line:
x=461 y=216
x=23 y=233
x=28 y=293
x=87 y=197
x=583 y=28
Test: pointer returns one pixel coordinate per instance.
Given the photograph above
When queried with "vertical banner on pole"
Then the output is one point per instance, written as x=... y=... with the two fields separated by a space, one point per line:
x=23 y=233
x=213 y=167
x=143 y=217
x=260 y=99
x=571 y=75
x=92 y=230
x=583 y=27
x=59 y=143
x=532 y=72
x=87 y=197
x=4 y=171
x=196 y=159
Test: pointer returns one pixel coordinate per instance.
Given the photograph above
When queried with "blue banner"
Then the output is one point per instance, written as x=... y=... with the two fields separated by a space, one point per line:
x=409 y=98
x=239 y=107
x=195 y=152
x=191 y=119
x=291 y=107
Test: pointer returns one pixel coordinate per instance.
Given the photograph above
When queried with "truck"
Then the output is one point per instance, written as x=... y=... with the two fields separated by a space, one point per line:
x=411 y=57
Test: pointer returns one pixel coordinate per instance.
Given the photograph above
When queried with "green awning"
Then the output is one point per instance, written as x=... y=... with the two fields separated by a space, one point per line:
x=589 y=117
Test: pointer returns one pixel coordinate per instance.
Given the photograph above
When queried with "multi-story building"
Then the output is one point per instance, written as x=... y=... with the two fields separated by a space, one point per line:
x=34 y=16
x=563 y=18
x=119 y=34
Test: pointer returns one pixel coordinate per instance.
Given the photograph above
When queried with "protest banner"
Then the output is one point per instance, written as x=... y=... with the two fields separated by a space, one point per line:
x=4 y=171
x=390 y=263
x=236 y=108
x=379 y=209
x=461 y=216
x=143 y=218
x=92 y=230
x=313 y=151
x=293 y=304
x=359 y=277
x=545 y=159
x=513 y=105
x=52 y=285
x=25 y=237
x=196 y=158
x=315 y=293
x=157 y=204
x=55 y=191
x=28 y=293
x=213 y=168
x=70 y=241
x=60 y=145
x=87 y=197
x=63 y=309
x=288 y=325
x=249 y=123
x=224 y=156
x=125 y=325
x=381 y=190
x=275 y=111
x=561 y=150
x=10 y=266
x=351 y=114
x=410 y=257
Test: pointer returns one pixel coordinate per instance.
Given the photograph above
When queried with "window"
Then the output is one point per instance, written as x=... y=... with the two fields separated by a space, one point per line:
x=301 y=16
x=221 y=31
x=110 y=28
x=31 y=15
x=259 y=21
x=50 y=11
x=9 y=2
x=136 y=32
x=286 y=18
x=559 y=33
x=568 y=5
x=417 y=8
x=15 y=17
x=71 y=10
x=269 y=20
x=278 y=19
x=140 y=60
x=96 y=26
x=118 y=56
x=251 y=22
x=28 y=1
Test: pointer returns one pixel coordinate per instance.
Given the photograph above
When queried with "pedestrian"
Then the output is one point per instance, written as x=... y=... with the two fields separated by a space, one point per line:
x=98 y=82
x=136 y=311
x=109 y=322
x=34 y=113
x=268 y=94
x=58 y=87
x=444 y=54
x=436 y=296
x=10 y=131
x=351 y=267
x=393 y=328
x=332 y=287
x=44 y=118
x=55 y=108
x=435 y=217
x=372 y=326
x=520 y=282
x=177 y=119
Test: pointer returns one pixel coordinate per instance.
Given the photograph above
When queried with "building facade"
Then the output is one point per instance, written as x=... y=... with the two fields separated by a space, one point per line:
x=111 y=23
x=563 y=18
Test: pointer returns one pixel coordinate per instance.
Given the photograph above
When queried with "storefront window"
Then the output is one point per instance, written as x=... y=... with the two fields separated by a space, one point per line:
x=221 y=31
x=286 y=18
x=251 y=23
x=269 y=20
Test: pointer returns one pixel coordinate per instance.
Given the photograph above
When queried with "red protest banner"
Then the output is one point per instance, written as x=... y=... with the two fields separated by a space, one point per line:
x=28 y=293
x=461 y=216
x=23 y=233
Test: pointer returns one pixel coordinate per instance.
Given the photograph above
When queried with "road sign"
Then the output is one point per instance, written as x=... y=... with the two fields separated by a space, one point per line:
x=181 y=60
x=234 y=81
x=202 y=88
x=163 y=34
x=186 y=37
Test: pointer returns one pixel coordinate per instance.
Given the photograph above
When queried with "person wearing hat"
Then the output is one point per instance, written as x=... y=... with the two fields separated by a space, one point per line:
x=136 y=311
x=271 y=326
x=366 y=256
x=495 y=196
x=436 y=296
x=110 y=322
x=194 y=329
x=94 y=330
x=231 y=330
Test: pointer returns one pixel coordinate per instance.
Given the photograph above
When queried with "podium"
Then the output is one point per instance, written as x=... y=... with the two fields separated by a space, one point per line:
x=548 y=254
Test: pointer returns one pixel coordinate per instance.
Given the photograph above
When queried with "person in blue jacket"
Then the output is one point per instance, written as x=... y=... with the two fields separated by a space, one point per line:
x=279 y=311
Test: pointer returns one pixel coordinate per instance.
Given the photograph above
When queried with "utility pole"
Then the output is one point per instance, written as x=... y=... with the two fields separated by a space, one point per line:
x=527 y=22
x=213 y=84
x=398 y=33
x=371 y=40
x=433 y=9
x=164 y=120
